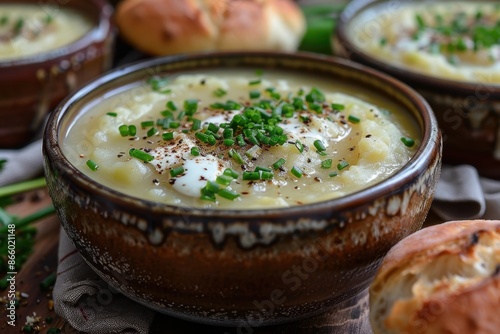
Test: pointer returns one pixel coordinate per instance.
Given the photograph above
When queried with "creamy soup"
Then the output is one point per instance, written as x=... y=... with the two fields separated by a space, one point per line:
x=27 y=30
x=240 y=140
x=453 y=40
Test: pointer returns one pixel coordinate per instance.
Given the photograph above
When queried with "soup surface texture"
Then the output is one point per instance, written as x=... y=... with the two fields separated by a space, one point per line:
x=454 y=40
x=28 y=30
x=239 y=140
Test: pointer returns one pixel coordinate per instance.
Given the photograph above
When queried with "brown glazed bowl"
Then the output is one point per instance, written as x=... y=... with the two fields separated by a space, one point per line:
x=30 y=87
x=242 y=267
x=468 y=113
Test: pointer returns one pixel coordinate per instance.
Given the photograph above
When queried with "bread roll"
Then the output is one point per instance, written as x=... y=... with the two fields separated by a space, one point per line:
x=163 y=27
x=443 y=279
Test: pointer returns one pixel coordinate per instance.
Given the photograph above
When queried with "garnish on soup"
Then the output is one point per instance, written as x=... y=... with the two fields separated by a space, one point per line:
x=454 y=39
x=229 y=141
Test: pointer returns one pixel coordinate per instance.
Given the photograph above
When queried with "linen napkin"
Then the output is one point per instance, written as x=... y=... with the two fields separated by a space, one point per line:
x=88 y=304
x=91 y=306
x=462 y=194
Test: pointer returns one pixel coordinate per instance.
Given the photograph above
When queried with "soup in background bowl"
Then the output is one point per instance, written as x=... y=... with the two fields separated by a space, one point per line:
x=165 y=214
x=448 y=51
x=47 y=50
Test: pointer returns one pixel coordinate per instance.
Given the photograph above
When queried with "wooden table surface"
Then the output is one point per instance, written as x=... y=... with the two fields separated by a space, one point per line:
x=350 y=318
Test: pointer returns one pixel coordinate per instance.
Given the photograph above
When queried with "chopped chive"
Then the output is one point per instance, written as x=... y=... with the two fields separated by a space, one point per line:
x=224 y=180
x=196 y=124
x=353 y=119
x=296 y=171
x=208 y=197
x=132 y=130
x=298 y=103
x=157 y=83
x=147 y=124
x=141 y=155
x=228 y=133
x=254 y=94
x=201 y=136
x=190 y=106
x=195 y=151
x=168 y=114
x=151 y=132
x=219 y=92
x=251 y=176
x=176 y=171
x=174 y=125
x=217 y=105
x=409 y=142
x=316 y=107
x=18 y=27
x=383 y=41
x=262 y=169
x=48 y=19
x=123 y=130
x=420 y=21
x=319 y=145
x=259 y=72
x=228 y=142
x=168 y=136
x=315 y=95
x=48 y=281
x=342 y=165
x=112 y=114
x=333 y=174
x=279 y=163
x=255 y=82
x=338 y=106
x=231 y=173
x=326 y=164
x=240 y=141
x=275 y=95
x=171 y=105
x=213 y=127
x=3 y=20
x=237 y=158
x=228 y=194
x=211 y=140
x=212 y=187
x=265 y=175
x=92 y=165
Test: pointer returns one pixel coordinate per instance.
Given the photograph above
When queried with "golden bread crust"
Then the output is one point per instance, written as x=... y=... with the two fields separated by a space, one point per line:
x=442 y=279
x=162 y=27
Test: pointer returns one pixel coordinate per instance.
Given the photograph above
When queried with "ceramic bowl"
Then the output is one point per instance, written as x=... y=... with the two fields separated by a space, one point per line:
x=468 y=113
x=242 y=267
x=32 y=86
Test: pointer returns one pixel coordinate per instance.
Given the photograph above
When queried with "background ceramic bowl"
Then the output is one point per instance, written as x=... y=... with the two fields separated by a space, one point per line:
x=468 y=113
x=32 y=86
x=237 y=267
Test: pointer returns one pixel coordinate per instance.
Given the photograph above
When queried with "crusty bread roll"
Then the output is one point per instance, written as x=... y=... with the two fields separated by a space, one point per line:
x=162 y=27
x=444 y=279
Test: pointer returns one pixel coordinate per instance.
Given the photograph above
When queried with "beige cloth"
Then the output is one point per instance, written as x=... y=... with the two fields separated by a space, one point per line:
x=88 y=304
x=462 y=194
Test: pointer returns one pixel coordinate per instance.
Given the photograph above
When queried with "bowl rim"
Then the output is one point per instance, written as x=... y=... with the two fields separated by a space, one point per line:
x=412 y=170
x=341 y=32
x=96 y=33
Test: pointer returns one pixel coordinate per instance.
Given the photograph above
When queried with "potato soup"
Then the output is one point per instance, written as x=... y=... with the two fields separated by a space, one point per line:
x=240 y=140
x=451 y=39
x=28 y=30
